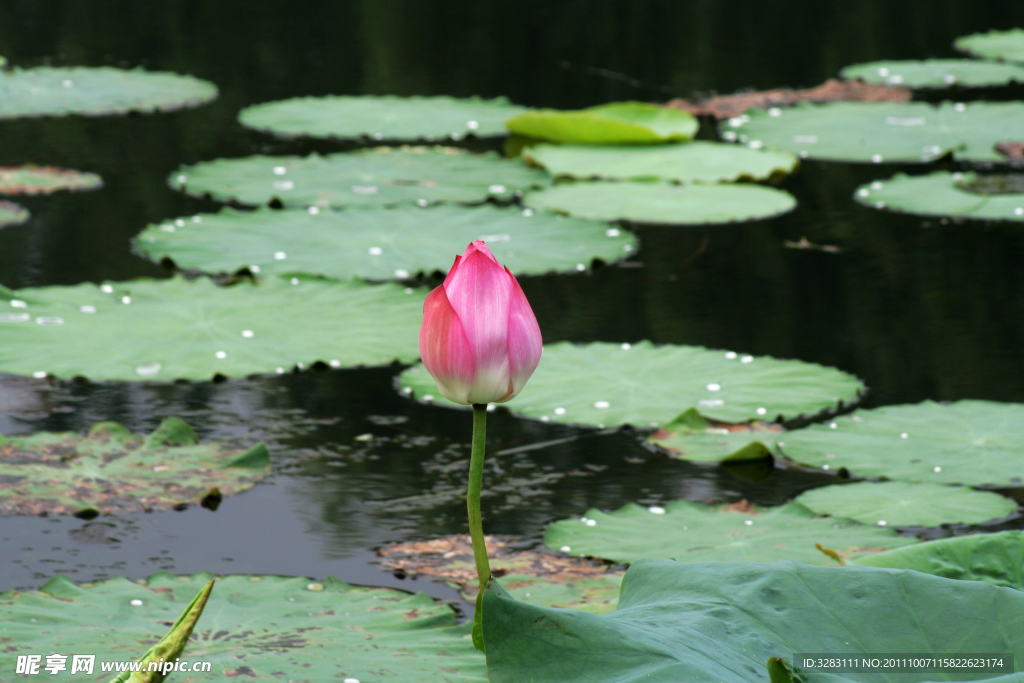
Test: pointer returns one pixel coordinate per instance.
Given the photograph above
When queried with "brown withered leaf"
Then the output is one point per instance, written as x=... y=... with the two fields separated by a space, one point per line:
x=832 y=90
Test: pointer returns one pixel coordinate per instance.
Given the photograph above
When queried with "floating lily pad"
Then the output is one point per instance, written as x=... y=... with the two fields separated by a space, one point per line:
x=993 y=558
x=884 y=131
x=253 y=628
x=691 y=436
x=936 y=73
x=961 y=195
x=899 y=503
x=665 y=203
x=176 y=329
x=380 y=176
x=698 y=161
x=691 y=532
x=382 y=118
x=45 y=179
x=723 y=621
x=539 y=577
x=97 y=91
x=12 y=214
x=113 y=470
x=975 y=443
x=1008 y=45
x=643 y=384
x=607 y=124
x=381 y=244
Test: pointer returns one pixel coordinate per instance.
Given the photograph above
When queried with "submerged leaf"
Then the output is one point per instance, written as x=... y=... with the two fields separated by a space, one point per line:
x=11 y=214
x=385 y=117
x=112 y=469
x=381 y=244
x=607 y=124
x=97 y=91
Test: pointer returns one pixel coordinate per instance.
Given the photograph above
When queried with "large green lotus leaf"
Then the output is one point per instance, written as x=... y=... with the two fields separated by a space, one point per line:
x=691 y=532
x=883 y=131
x=12 y=214
x=381 y=244
x=253 y=628
x=936 y=73
x=721 y=622
x=995 y=558
x=380 y=176
x=176 y=329
x=698 y=161
x=1008 y=45
x=643 y=384
x=662 y=202
x=691 y=436
x=384 y=117
x=95 y=91
x=45 y=179
x=539 y=577
x=976 y=443
x=113 y=470
x=607 y=124
x=900 y=503
x=942 y=194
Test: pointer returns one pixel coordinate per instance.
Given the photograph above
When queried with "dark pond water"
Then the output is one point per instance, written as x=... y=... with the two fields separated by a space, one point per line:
x=918 y=309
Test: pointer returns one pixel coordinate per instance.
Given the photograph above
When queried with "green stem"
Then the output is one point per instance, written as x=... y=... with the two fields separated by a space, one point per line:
x=476 y=527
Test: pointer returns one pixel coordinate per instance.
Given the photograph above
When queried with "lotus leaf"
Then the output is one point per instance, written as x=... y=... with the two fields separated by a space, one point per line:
x=976 y=443
x=698 y=161
x=1008 y=45
x=253 y=628
x=898 y=132
x=691 y=532
x=382 y=118
x=691 y=436
x=112 y=469
x=993 y=558
x=643 y=384
x=900 y=503
x=12 y=214
x=380 y=244
x=722 y=622
x=942 y=194
x=666 y=203
x=539 y=577
x=616 y=123
x=177 y=329
x=378 y=176
x=44 y=180
x=936 y=73
x=97 y=91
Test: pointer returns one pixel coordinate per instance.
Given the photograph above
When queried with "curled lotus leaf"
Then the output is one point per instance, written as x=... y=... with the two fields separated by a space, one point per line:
x=902 y=504
x=381 y=176
x=691 y=436
x=12 y=214
x=877 y=132
x=975 y=443
x=663 y=202
x=181 y=329
x=697 y=161
x=1008 y=45
x=936 y=73
x=380 y=244
x=646 y=385
x=385 y=117
x=692 y=532
x=956 y=195
x=616 y=123
x=113 y=470
x=45 y=179
x=97 y=91
x=253 y=628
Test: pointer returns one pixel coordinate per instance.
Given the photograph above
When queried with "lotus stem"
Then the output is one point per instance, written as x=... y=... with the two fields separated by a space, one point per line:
x=476 y=527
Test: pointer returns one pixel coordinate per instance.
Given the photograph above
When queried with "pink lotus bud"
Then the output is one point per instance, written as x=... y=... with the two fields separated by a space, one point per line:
x=479 y=340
